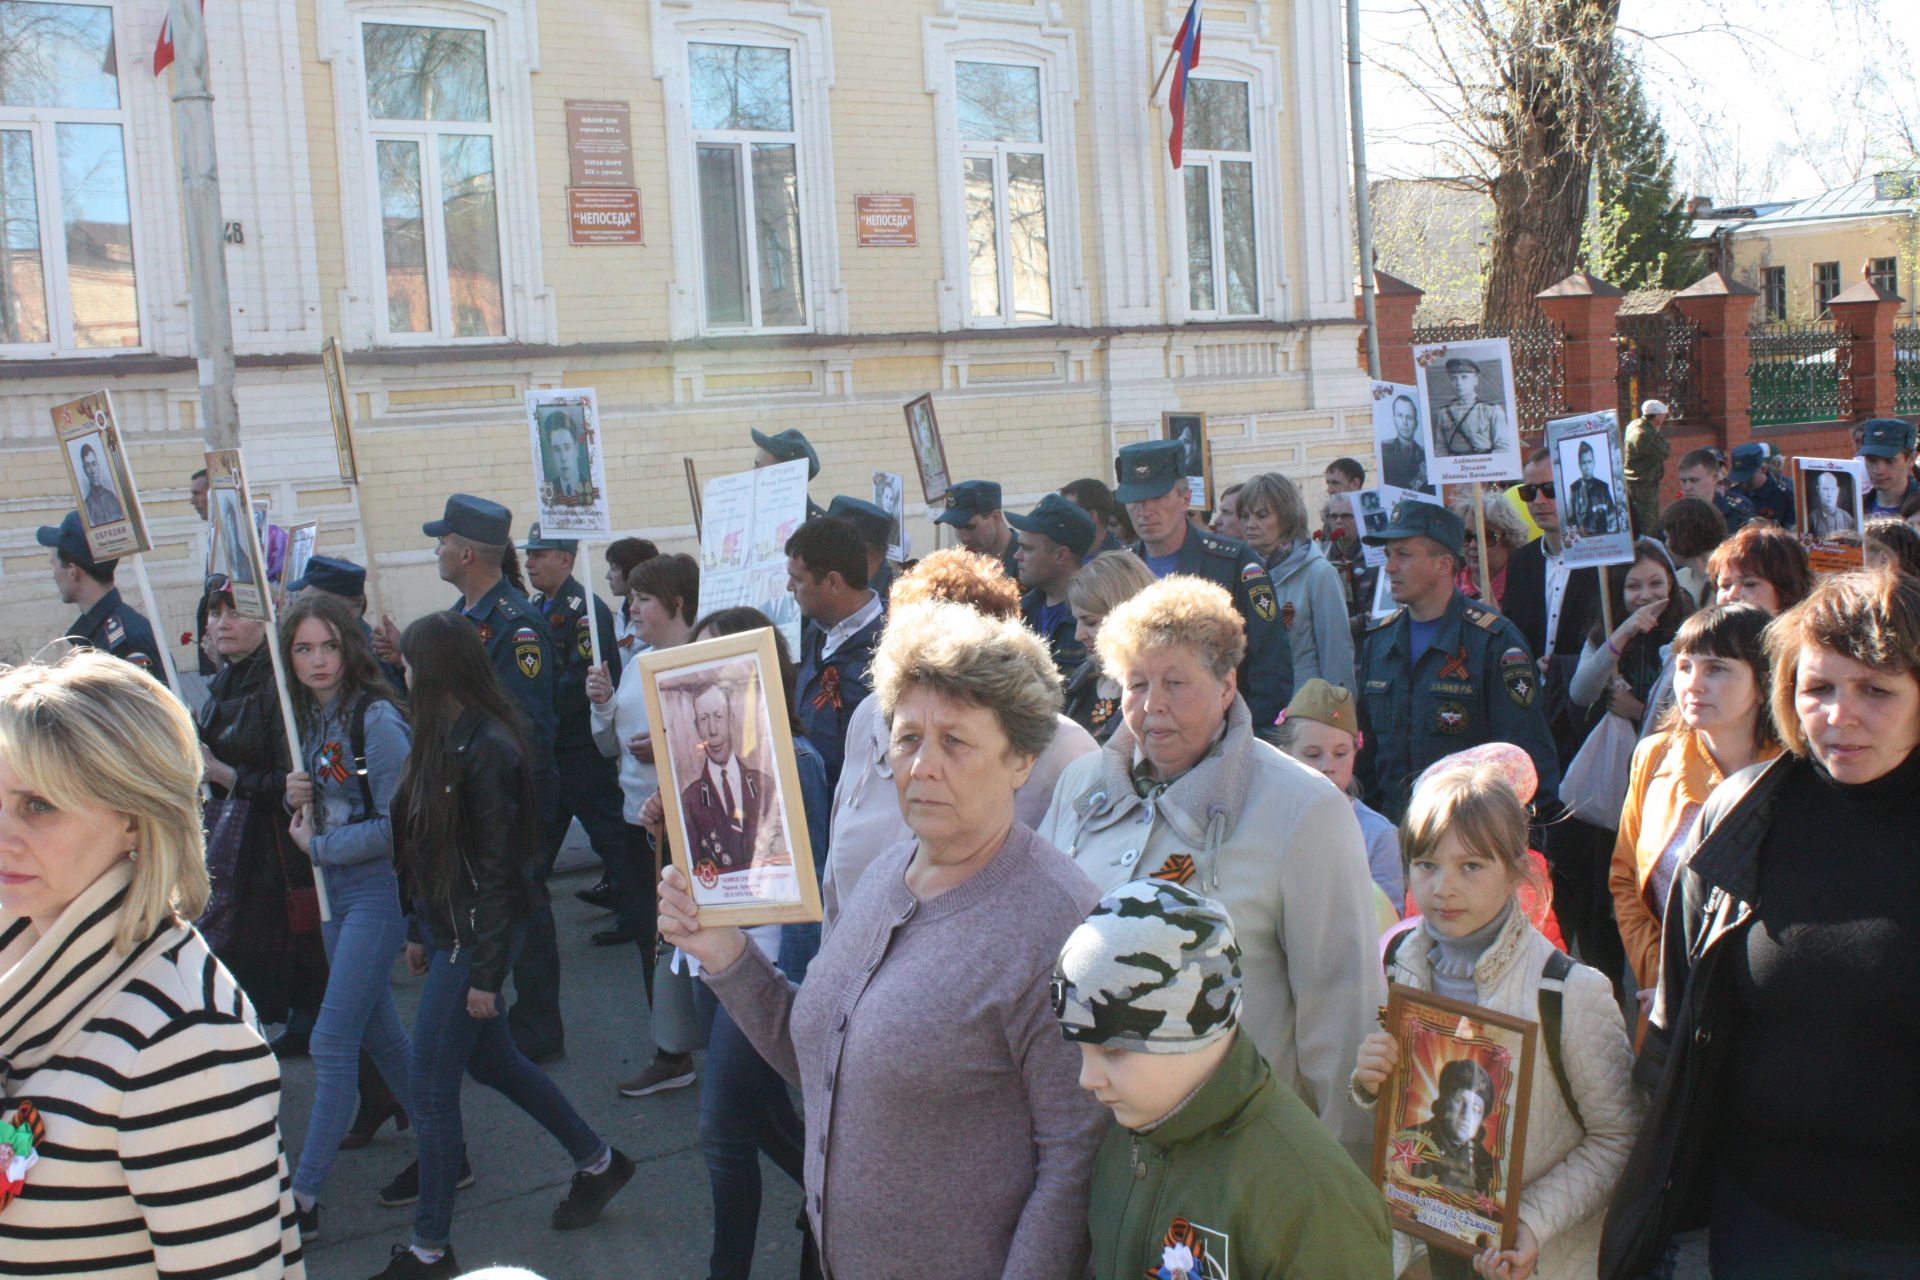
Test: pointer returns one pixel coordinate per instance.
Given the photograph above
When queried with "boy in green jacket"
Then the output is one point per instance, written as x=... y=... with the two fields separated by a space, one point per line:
x=1214 y=1172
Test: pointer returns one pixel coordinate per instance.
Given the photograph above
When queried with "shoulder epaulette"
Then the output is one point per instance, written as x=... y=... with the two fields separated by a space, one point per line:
x=1482 y=617
x=1218 y=546
x=1387 y=621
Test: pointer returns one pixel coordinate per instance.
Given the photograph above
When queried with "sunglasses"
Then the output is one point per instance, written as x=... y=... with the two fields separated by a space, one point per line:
x=216 y=582
x=1528 y=492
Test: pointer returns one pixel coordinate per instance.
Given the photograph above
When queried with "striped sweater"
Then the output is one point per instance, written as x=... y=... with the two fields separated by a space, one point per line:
x=162 y=1154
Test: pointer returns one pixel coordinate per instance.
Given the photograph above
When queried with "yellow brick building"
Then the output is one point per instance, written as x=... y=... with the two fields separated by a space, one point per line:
x=397 y=175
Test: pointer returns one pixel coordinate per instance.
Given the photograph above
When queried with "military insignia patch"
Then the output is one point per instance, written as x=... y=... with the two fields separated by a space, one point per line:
x=1451 y=717
x=116 y=631
x=1251 y=572
x=1262 y=597
x=583 y=638
x=1286 y=615
x=141 y=661
x=526 y=651
x=1518 y=675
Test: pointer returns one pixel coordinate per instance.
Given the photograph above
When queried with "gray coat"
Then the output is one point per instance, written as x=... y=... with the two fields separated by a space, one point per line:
x=1313 y=609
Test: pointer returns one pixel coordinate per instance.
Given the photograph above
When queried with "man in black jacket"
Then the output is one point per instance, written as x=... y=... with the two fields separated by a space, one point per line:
x=1543 y=594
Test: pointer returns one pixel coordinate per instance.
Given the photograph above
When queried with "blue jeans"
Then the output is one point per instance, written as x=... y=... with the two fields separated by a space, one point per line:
x=363 y=937
x=745 y=1109
x=1748 y=1241
x=448 y=1044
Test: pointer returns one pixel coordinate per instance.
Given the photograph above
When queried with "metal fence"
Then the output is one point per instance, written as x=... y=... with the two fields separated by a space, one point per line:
x=1906 y=369
x=1799 y=372
x=1539 y=366
x=1658 y=355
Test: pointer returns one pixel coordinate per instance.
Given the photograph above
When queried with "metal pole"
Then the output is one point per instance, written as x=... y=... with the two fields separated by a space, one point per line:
x=1362 y=197
x=200 y=205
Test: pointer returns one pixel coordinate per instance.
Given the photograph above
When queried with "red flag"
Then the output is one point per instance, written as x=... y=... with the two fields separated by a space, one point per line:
x=163 y=47
x=1186 y=47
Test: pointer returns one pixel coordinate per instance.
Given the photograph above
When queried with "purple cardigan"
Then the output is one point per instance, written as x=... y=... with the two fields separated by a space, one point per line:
x=947 y=1133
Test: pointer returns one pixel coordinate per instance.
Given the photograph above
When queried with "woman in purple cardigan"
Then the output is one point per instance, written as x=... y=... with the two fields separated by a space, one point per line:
x=946 y=1129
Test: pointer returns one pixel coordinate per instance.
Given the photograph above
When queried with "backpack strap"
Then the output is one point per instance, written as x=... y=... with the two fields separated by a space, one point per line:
x=357 y=743
x=1392 y=952
x=1553 y=990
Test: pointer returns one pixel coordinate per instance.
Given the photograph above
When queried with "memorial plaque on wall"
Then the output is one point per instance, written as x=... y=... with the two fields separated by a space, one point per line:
x=600 y=143
x=603 y=215
x=885 y=222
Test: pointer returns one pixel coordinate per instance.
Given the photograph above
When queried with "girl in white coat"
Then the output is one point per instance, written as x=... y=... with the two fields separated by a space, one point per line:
x=1465 y=842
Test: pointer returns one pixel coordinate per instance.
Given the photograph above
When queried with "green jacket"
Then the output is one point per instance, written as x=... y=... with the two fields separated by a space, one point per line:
x=1244 y=1175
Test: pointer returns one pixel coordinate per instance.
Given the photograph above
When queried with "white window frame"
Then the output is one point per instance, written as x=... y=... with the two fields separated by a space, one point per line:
x=805 y=32
x=513 y=51
x=998 y=153
x=1016 y=40
x=41 y=124
x=1212 y=161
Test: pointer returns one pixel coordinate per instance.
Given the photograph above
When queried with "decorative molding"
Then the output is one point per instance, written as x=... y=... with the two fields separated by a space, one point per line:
x=1123 y=162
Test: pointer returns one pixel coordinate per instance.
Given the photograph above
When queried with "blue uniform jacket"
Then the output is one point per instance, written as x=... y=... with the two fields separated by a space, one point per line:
x=1068 y=653
x=566 y=614
x=515 y=634
x=830 y=688
x=1266 y=673
x=1476 y=683
x=1773 y=499
x=113 y=626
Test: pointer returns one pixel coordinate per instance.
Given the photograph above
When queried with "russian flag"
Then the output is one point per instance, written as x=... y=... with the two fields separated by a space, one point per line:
x=163 y=47
x=1186 y=49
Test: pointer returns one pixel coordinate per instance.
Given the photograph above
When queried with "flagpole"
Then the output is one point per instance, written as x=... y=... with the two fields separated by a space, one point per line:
x=1164 y=68
x=200 y=206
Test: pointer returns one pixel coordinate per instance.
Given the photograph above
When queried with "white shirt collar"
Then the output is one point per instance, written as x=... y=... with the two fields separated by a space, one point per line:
x=845 y=629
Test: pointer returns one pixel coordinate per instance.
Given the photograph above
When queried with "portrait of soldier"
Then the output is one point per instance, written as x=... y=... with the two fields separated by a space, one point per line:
x=1591 y=505
x=233 y=537
x=1403 y=462
x=1467 y=424
x=1829 y=515
x=100 y=503
x=1449 y=1148
x=728 y=805
x=567 y=464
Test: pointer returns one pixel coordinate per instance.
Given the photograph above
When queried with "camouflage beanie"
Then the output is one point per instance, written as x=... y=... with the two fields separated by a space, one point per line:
x=1153 y=969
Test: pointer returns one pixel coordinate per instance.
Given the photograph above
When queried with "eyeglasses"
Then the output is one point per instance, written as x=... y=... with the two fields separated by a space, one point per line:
x=216 y=582
x=1528 y=492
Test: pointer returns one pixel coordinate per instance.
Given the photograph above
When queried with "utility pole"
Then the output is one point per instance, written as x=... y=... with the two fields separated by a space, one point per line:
x=200 y=202
x=1362 y=196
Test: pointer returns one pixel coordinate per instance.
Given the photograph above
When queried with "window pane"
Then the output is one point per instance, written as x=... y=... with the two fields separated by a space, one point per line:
x=983 y=249
x=57 y=55
x=23 y=285
x=740 y=87
x=997 y=103
x=723 y=258
x=404 y=231
x=426 y=73
x=473 y=235
x=1027 y=237
x=1199 y=240
x=1237 y=235
x=99 y=230
x=1217 y=118
x=776 y=215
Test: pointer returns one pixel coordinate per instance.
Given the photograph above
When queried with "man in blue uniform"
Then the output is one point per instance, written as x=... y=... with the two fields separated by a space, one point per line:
x=1154 y=490
x=1056 y=538
x=787 y=446
x=589 y=784
x=827 y=576
x=875 y=528
x=1444 y=673
x=1771 y=496
x=972 y=507
x=107 y=622
x=1886 y=447
x=1702 y=476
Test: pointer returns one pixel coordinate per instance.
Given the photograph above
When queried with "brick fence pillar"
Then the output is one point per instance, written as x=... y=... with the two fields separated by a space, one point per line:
x=1394 y=302
x=1867 y=312
x=1721 y=309
x=1584 y=307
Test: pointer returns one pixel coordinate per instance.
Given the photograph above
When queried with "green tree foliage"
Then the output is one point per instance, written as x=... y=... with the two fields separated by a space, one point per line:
x=1637 y=236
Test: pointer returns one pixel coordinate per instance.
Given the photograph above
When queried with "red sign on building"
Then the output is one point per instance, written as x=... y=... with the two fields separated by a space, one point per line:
x=603 y=215
x=885 y=222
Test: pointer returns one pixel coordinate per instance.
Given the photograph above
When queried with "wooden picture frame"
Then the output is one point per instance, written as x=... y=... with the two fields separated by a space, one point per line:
x=333 y=365
x=1197 y=463
x=929 y=450
x=111 y=515
x=301 y=540
x=1835 y=540
x=1457 y=1194
x=753 y=865
x=238 y=551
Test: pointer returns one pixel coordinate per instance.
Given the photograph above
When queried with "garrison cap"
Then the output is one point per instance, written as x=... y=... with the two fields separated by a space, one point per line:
x=1153 y=969
x=1885 y=438
x=874 y=525
x=1460 y=364
x=69 y=538
x=487 y=523
x=968 y=499
x=789 y=446
x=1411 y=519
x=1747 y=459
x=1060 y=519
x=1148 y=470
x=538 y=541
x=1324 y=703
x=335 y=577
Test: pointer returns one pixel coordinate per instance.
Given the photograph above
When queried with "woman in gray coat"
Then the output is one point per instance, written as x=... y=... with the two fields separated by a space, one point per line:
x=1313 y=606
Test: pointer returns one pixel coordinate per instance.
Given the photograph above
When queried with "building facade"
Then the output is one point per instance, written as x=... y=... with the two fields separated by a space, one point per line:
x=450 y=188
x=1800 y=254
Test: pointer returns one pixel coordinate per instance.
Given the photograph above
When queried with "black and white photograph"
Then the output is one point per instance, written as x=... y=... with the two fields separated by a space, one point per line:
x=237 y=548
x=1589 y=476
x=1467 y=411
x=1196 y=461
x=103 y=491
x=731 y=786
x=929 y=452
x=1373 y=508
x=890 y=495
x=570 y=478
x=1828 y=499
x=300 y=542
x=1399 y=448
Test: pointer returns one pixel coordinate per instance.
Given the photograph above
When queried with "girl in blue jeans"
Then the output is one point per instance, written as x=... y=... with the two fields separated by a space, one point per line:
x=467 y=841
x=353 y=745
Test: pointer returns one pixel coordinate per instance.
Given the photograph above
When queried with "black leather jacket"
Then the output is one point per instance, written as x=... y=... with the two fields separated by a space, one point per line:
x=494 y=888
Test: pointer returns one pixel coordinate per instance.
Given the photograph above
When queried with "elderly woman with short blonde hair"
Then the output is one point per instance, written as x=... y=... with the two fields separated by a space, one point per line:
x=943 y=1111
x=138 y=1098
x=1183 y=790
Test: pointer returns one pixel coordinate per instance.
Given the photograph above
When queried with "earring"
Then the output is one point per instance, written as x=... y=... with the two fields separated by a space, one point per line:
x=133 y=855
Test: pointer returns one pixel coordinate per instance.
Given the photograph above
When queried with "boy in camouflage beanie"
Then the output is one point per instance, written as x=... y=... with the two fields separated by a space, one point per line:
x=1212 y=1162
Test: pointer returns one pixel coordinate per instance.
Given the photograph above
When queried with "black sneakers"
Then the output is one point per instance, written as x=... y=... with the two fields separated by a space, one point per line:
x=405 y=1189
x=591 y=1191
x=405 y=1264
x=309 y=1220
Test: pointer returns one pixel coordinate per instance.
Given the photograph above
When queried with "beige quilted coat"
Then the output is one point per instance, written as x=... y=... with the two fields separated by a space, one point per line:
x=1568 y=1174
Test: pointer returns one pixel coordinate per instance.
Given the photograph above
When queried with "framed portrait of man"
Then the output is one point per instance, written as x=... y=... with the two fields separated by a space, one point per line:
x=237 y=549
x=1196 y=460
x=103 y=489
x=1590 y=481
x=300 y=543
x=1468 y=410
x=729 y=781
x=1399 y=443
x=333 y=366
x=569 y=466
x=1452 y=1121
x=1829 y=510
x=929 y=451
x=890 y=495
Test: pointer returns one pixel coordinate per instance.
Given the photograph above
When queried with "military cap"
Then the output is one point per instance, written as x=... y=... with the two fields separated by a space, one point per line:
x=1153 y=969
x=1411 y=519
x=538 y=541
x=1460 y=364
x=1060 y=519
x=1323 y=703
x=874 y=525
x=487 y=523
x=1885 y=438
x=335 y=577
x=968 y=499
x=1148 y=470
x=69 y=538
x=1747 y=459
x=789 y=446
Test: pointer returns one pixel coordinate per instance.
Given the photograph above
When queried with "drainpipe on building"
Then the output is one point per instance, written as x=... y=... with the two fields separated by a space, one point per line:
x=200 y=203
x=1362 y=197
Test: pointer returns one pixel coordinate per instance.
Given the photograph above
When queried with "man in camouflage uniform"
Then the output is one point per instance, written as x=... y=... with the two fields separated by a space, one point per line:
x=1467 y=425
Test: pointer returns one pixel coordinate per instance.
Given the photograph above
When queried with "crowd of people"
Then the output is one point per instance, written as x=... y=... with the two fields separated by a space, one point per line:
x=1125 y=817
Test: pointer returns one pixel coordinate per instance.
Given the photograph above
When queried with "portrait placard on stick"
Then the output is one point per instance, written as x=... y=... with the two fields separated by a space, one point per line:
x=333 y=365
x=929 y=452
x=1196 y=460
x=1590 y=481
x=300 y=541
x=1468 y=411
x=1399 y=443
x=746 y=521
x=1829 y=509
x=103 y=488
x=730 y=785
x=1373 y=511
x=1452 y=1121
x=569 y=466
x=236 y=542
x=890 y=495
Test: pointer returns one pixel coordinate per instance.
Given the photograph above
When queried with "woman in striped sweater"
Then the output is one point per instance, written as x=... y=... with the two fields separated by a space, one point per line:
x=138 y=1100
